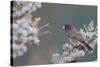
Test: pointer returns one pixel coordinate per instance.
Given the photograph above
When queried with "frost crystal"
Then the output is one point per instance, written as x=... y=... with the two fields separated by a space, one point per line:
x=71 y=53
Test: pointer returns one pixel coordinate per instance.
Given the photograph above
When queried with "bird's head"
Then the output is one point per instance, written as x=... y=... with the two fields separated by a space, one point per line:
x=67 y=27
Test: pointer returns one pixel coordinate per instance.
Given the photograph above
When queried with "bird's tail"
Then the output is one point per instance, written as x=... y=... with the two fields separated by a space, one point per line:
x=86 y=46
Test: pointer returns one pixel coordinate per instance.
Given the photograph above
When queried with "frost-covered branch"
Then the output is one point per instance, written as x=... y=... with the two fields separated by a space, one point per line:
x=25 y=30
x=21 y=8
x=89 y=33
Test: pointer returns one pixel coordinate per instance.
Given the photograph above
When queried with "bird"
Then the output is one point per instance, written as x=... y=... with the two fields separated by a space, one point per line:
x=75 y=35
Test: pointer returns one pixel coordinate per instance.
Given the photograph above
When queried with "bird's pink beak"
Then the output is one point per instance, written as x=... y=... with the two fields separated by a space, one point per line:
x=63 y=27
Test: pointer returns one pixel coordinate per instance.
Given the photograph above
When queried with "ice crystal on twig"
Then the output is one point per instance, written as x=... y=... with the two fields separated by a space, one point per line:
x=71 y=53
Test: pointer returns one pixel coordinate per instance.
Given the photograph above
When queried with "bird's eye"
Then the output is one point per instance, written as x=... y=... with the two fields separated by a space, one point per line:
x=67 y=27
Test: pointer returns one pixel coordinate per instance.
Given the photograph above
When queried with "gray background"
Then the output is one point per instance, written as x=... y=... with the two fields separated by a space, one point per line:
x=57 y=15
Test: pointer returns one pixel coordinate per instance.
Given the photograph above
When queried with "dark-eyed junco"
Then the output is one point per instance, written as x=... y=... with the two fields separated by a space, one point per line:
x=74 y=34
